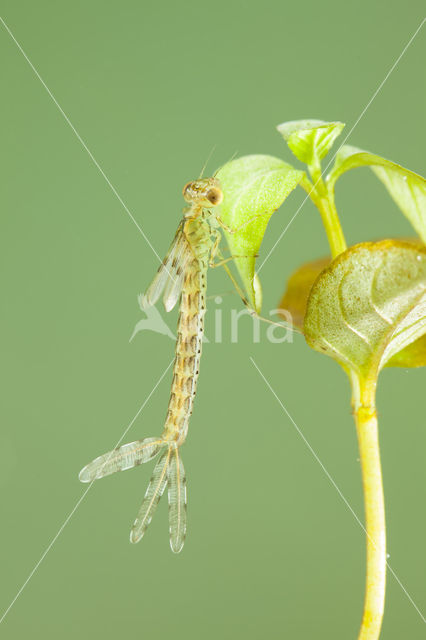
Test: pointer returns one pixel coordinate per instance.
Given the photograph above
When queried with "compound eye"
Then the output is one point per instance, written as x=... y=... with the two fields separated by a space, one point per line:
x=214 y=196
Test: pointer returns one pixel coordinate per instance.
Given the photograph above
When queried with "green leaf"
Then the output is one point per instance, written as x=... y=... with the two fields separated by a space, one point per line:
x=407 y=189
x=310 y=140
x=253 y=187
x=414 y=355
x=369 y=305
x=299 y=285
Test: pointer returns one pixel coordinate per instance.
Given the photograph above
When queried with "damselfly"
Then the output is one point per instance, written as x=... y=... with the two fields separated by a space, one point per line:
x=182 y=275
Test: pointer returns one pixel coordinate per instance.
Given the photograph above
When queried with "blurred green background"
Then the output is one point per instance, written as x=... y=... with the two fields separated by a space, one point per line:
x=272 y=550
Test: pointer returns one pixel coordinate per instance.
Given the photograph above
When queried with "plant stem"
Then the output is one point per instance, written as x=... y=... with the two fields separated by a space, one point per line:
x=366 y=424
x=323 y=198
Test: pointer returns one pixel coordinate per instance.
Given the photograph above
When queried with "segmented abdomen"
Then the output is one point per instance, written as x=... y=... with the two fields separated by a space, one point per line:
x=189 y=336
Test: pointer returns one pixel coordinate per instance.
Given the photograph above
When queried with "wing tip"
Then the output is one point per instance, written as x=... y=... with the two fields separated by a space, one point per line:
x=135 y=535
x=144 y=302
x=85 y=475
x=168 y=305
x=176 y=545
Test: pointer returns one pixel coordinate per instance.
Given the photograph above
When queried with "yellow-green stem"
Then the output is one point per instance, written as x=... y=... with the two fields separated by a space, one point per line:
x=323 y=198
x=366 y=424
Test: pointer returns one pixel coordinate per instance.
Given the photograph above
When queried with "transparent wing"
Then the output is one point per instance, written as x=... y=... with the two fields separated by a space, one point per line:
x=173 y=290
x=177 y=501
x=122 y=458
x=152 y=497
x=169 y=276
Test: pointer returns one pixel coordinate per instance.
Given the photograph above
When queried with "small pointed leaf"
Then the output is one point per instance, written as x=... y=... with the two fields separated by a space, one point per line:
x=407 y=189
x=310 y=140
x=253 y=187
x=369 y=305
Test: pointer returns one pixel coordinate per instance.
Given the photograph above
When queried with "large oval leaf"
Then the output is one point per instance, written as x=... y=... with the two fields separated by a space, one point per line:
x=369 y=305
x=407 y=188
x=310 y=140
x=414 y=355
x=253 y=187
x=299 y=285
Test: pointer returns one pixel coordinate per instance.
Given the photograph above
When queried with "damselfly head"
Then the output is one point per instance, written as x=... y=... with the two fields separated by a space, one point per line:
x=205 y=192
